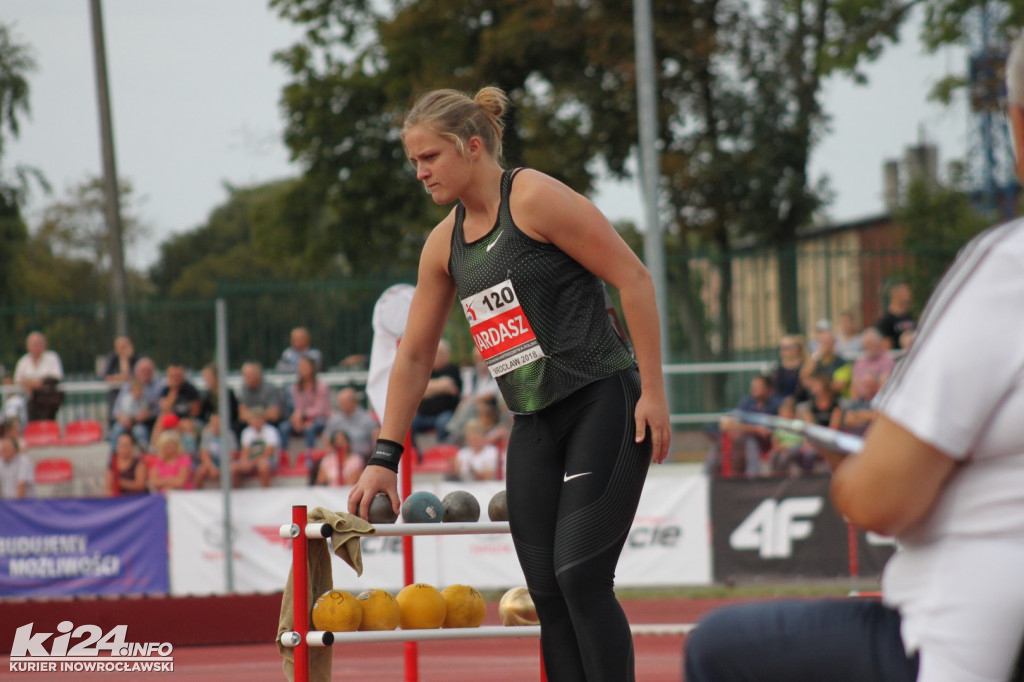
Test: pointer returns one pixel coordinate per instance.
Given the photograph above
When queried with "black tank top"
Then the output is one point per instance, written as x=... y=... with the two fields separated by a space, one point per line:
x=541 y=320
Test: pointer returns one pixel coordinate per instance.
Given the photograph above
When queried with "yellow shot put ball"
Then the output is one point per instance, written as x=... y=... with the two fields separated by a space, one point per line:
x=337 y=611
x=422 y=606
x=466 y=607
x=380 y=610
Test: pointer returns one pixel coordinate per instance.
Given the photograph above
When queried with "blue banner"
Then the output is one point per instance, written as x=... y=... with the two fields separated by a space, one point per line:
x=67 y=547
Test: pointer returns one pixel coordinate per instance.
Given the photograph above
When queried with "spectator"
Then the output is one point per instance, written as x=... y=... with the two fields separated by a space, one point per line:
x=145 y=372
x=211 y=456
x=127 y=474
x=847 y=336
x=14 y=415
x=823 y=406
x=825 y=360
x=259 y=394
x=38 y=372
x=749 y=443
x=477 y=460
x=171 y=467
x=788 y=455
x=481 y=386
x=16 y=470
x=181 y=398
x=340 y=465
x=119 y=367
x=359 y=425
x=130 y=413
x=261 y=444
x=897 y=317
x=300 y=348
x=875 y=360
x=856 y=414
x=786 y=376
x=209 y=405
x=441 y=396
x=311 y=406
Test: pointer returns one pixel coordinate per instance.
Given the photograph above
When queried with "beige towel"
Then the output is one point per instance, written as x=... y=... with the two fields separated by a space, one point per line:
x=345 y=544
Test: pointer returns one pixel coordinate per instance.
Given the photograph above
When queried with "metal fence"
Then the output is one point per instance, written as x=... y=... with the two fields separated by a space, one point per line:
x=833 y=275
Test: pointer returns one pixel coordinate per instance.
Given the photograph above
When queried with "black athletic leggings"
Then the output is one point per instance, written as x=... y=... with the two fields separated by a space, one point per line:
x=575 y=473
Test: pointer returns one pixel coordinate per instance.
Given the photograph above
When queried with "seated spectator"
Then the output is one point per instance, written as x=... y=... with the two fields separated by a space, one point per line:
x=856 y=413
x=495 y=420
x=301 y=347
x=209 y=405
x=481 y=386
x=340 y=466
x=477 y=460
x=38 y=372
x=441 y=396
x=359 y=425
x=875 y=359
x=786 y=375
x=825 y=360
x=130 y=413
x=181 y=398
x=145 y=373
x=171 y=467
x=15 y=415
x=119 y=367
x=16 y=471
x=311 y=406
x=897 y=317
x=127 y=474
x=257 y=393
x=822 y=409
x=749 y=443
x=847 y=336
x=210 y=457
x=261 y=444
x=787 y=456
x=907 y=339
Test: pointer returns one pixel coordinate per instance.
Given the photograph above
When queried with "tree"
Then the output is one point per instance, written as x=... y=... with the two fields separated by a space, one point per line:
x=937 y=221
x=739 y=111
x=16 y=63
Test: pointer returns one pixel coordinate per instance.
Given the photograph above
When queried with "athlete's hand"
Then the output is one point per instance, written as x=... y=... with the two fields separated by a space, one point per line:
x=652 y=413
x=374 y=479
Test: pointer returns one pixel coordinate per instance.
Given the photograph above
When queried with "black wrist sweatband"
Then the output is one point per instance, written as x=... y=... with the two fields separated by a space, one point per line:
x=386 y=454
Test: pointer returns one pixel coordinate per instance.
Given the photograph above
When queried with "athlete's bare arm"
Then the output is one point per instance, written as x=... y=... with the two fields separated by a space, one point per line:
x=428 y=312
x=548 y=210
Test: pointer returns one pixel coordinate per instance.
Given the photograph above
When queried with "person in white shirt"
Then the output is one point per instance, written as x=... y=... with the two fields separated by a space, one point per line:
x=261 y=443
x=941 y=470
x=16 y=471
x=38 y=371
x=477 y=460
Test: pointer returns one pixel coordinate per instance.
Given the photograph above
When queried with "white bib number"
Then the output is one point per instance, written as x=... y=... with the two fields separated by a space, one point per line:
x=500 y=329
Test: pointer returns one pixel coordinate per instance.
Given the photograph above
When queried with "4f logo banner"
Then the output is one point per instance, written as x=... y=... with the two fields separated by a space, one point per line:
x=500 y=329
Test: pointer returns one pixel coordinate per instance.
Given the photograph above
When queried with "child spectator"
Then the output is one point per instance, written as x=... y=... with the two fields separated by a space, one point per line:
x=127 y=474
x=477 y=460
x=209 y=459
x=171 y=467
x=340 y=465
x=786 y=456
x=261 y=443
x=786 y=375
x=131 y=411
x=16 y=471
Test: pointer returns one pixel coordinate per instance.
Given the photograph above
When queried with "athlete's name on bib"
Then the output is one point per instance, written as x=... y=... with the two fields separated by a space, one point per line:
x=501 y=331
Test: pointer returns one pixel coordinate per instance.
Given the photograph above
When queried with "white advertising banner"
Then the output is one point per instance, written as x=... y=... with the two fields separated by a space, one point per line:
x=668 y=544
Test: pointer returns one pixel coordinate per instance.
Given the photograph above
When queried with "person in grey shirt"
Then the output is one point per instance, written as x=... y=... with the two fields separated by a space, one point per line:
x=358 y=424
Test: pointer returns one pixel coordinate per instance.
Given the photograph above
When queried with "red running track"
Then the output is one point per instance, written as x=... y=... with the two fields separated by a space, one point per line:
x=658 y=658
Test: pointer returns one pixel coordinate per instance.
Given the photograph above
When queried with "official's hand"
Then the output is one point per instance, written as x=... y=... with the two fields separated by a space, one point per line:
x=652 y=413
x=374 y=479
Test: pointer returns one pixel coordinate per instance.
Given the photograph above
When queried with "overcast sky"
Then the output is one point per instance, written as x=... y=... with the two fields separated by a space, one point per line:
x=195 y=105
